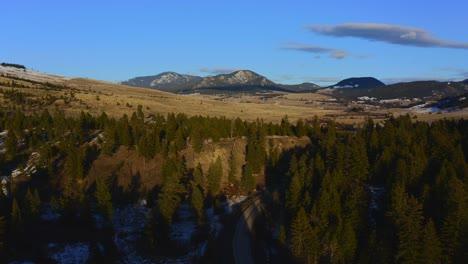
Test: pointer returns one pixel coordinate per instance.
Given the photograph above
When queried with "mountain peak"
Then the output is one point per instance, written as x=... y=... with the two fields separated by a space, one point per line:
x=166 y=81
x=359 y=82
x=237 y=78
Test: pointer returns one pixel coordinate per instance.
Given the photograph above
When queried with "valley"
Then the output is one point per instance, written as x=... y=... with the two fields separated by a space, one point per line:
x=108 y=173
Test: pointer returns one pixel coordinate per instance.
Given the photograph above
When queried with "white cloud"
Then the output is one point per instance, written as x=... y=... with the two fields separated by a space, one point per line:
x=394 y=34
x=333 y=53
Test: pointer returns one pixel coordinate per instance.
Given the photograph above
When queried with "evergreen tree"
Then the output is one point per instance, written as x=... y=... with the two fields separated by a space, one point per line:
x=170 y=196
x=146 y=146
x=32 y=203
x=301 y=235
x=215 y=174
x=431 y=247
x=197 y=197
x=196 y=140
x=409 y=223
x=247 y=179
x=455 y=225
x=11 y=144
x=179 y=140
x=232 y=168
x=16 y=216
x=197 y=201
x=110 y=141
x=103 y=198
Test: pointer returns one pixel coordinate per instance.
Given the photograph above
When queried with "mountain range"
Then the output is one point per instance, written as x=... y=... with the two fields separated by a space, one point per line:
x=239 y=81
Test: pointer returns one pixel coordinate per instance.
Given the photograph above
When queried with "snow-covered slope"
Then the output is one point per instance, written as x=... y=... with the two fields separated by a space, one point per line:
x=238 y=78
x=166 y=81
x=30 y=74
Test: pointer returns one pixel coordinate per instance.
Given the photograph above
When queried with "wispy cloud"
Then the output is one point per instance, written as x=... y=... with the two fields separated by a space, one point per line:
x=322 y=79
x=394 y=34
x=218 y=70
x=332 y=52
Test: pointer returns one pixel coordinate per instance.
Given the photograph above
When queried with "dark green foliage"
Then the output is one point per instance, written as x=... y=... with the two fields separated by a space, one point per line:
x=431 y=247
x=196 y=140
x=248 y=179
x=197 y=197
x=303 y=240
x=16 y=218
x=255 y=150
x=232 y=168
x=75 y=160
x=215 y=174
x=32 y=204
x=405 y=159
x=11 y=144
x=170 y=196
x=103 y=198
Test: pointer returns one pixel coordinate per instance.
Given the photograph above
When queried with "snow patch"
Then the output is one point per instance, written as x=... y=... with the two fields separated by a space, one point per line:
x=31 y=75
x=69 y=253
x=182 y=230
x=49 y=213
x=128 y=222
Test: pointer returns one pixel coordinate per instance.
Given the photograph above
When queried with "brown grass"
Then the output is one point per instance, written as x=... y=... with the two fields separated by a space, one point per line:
x=98 y=96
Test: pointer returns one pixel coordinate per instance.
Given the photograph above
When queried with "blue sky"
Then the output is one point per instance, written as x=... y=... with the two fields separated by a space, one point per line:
x=286 y=41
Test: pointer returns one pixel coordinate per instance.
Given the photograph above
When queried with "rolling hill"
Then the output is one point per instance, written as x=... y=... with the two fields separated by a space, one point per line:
x=359 y=82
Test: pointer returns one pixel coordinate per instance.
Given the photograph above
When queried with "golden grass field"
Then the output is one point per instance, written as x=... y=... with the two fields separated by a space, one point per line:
x=97 y=96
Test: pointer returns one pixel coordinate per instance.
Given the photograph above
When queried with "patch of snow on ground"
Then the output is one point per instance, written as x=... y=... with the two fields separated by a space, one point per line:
x=31 y=75
x=4 y=133
x=233 y=200
x=215 y=222
x=128 y=222
x=49 y=214
x=69 y=253
x=376 y=194
x=183 y=229
x=423 y=109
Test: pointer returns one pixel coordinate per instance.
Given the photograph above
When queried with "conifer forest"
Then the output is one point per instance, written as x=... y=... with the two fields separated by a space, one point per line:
x=382 y=192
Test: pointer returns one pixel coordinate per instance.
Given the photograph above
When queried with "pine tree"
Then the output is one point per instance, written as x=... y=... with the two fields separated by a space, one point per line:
x=197 y=201
x=196 y=140
x=32 y=203
x=215 y=174
x=11 y=144
x=455 y=226
x=431 y=247
x=248 y=179
x=232 y=168
x=103 y=198
x=170 y=196
x=16 y=216
x=146 y=146
x=409 y=223
x=301 y=235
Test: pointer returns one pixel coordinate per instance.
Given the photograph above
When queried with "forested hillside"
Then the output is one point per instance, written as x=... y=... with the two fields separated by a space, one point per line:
x=393 y=192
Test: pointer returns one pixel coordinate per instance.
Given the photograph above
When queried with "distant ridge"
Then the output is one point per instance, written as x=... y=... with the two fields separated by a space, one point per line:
x=244 y=81
x=166 y=81
x=359 y=82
